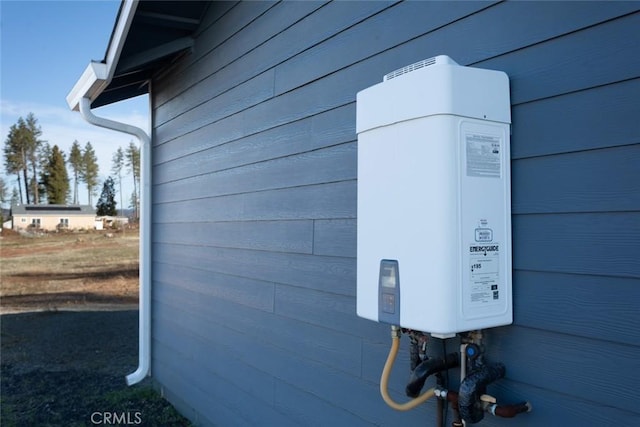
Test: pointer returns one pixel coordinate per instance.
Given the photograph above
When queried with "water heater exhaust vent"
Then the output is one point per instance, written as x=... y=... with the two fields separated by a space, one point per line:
x=440 y=60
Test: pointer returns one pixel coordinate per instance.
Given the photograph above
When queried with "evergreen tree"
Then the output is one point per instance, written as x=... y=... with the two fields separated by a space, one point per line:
x=4 y=191
x=16 y=197
x=132 y=156
x=133 y=202
x=56 y=178
x=34 y=143
x=44 y=157
x=21 y=155
x=4 y=195
x=107 y=202
x=75 y=160
x=15 y=156
x=89 y=171
x=116 y=167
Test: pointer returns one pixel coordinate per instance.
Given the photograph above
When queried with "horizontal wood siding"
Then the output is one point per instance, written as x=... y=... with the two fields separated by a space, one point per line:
x=578 y=182
x=254 y=234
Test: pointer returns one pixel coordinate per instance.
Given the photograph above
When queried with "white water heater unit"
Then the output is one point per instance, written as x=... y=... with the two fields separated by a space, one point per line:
x=434 y=206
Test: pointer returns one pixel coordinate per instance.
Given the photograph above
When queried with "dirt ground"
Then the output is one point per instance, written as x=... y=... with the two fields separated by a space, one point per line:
x=69 y=334
x=62 y=271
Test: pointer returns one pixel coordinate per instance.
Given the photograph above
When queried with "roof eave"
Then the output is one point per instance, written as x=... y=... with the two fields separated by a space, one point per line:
x=97 y=76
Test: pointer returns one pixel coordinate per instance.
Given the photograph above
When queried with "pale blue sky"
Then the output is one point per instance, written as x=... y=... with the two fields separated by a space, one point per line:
x=44 y=48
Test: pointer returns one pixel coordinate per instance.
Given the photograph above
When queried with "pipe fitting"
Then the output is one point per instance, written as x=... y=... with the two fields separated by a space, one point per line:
x=417 y=347
x=474 y=386
x=386 y=372
x=441 y=393
x=509 y=411
x=426 y=368
x=396 y=331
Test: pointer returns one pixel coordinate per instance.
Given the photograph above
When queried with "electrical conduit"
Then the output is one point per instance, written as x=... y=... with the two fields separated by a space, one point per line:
x=386 y=372
x=144 y=345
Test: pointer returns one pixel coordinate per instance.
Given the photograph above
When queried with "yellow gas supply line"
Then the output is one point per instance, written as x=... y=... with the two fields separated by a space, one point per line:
x=386 y=372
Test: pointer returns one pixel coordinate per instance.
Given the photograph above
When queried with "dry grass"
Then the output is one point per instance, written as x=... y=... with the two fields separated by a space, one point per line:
x=68 y=270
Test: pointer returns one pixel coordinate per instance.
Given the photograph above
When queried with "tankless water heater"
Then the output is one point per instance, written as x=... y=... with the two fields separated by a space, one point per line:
x=434 y=208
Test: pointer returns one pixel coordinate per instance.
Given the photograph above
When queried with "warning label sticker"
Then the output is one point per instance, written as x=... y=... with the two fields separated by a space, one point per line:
x=483 y=155
x=484 y=273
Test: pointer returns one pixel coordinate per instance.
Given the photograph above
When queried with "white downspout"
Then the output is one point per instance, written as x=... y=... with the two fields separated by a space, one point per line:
x=144 y=343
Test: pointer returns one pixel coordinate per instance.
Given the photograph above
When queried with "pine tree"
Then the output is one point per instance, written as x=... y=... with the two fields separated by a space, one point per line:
x=34 y=143
x=75 y=161
x=21 y=155
x=116 y=167
x=4 y=190
x=15 y=156
x=4 y=195
x=16 y=197
x=107 y=202
x=89 y=171
x=56 y=178
x=133 y=202
x=44 y=157
x=132 y=155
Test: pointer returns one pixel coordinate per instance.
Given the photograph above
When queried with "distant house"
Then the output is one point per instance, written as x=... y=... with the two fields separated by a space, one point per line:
x=53 y=217
x=252 y=277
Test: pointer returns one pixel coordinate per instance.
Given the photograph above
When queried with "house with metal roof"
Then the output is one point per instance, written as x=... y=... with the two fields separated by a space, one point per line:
x=53 y=217
x=249 y=223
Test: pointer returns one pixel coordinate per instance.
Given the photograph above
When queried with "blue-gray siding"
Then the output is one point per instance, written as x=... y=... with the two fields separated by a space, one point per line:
x=255 y=209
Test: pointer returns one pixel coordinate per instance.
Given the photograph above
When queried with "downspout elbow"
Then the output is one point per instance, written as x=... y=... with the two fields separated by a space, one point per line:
x=87 y=114
x=144 y=321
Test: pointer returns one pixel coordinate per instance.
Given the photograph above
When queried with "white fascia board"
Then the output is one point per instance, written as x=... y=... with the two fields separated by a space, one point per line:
x=97 y=76
x=120 y=34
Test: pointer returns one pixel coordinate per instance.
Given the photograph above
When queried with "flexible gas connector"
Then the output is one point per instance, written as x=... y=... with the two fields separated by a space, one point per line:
x=386 y=372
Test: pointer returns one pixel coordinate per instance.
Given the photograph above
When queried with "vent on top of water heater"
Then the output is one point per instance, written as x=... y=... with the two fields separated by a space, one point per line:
x=439 y=60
